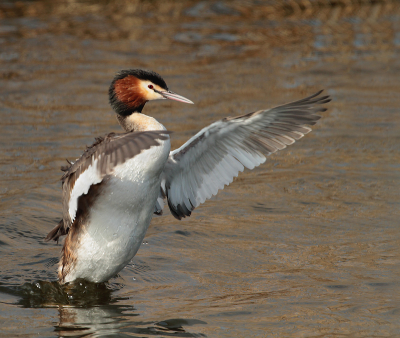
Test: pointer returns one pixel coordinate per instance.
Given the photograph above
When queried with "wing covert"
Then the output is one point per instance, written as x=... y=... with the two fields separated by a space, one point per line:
x=214 y=156
x=95 y=164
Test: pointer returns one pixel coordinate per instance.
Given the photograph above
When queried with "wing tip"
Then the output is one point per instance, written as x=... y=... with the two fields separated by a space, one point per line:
x=179 y=211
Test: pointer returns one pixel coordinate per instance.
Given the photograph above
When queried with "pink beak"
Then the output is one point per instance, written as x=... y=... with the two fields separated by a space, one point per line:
x=172 y=96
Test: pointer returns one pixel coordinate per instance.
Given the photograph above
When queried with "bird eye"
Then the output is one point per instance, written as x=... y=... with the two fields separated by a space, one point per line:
x=150 y=86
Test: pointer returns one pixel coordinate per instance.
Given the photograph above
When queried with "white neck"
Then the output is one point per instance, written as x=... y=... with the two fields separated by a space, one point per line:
x=139 y=122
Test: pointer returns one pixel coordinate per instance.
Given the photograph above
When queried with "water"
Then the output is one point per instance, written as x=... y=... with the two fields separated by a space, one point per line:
x=306 y=245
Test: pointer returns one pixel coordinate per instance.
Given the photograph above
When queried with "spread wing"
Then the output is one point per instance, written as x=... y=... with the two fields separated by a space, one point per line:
x=214 y=156
x=95 y=164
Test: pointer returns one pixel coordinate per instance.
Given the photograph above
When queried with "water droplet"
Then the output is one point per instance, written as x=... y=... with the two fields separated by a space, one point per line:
x=38 y=285
x=134 y=278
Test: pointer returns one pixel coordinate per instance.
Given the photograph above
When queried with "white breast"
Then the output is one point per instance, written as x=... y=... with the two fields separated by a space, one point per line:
x=120 y=216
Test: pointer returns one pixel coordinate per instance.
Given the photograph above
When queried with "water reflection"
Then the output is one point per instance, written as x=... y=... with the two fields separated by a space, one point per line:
x=116 y=320
x=92 y=309
x=94 y=320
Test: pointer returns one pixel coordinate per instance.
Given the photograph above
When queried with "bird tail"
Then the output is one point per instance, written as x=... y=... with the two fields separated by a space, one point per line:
x=56 y=232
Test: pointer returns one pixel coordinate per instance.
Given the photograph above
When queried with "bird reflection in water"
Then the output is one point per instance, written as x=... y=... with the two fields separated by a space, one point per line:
x=87 y=309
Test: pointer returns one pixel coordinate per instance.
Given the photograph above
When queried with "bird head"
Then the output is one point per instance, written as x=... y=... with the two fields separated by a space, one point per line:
x=131 y=89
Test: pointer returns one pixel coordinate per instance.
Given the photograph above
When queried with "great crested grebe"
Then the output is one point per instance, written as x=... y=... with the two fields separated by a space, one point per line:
x=111 y=192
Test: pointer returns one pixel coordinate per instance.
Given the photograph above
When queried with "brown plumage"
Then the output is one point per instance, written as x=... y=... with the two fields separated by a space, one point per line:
x=128 y=91
x=110 y=151
x=77 y=229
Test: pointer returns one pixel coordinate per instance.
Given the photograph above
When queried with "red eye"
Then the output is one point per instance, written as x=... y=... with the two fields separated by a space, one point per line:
x=150 y=86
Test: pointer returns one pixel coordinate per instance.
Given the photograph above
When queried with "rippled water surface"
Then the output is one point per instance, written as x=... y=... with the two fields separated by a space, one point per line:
x=307 y=245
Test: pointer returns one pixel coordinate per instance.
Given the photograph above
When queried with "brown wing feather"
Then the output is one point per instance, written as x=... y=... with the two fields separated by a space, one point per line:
x=111 y=150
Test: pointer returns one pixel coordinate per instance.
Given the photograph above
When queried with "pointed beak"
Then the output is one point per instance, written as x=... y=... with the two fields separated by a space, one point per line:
x=172 y=96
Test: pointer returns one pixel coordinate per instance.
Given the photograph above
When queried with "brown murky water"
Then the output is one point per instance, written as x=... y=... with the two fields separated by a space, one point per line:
x=307 y=245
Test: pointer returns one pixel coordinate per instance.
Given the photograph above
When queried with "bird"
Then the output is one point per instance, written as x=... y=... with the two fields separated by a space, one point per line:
x=111 y=192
